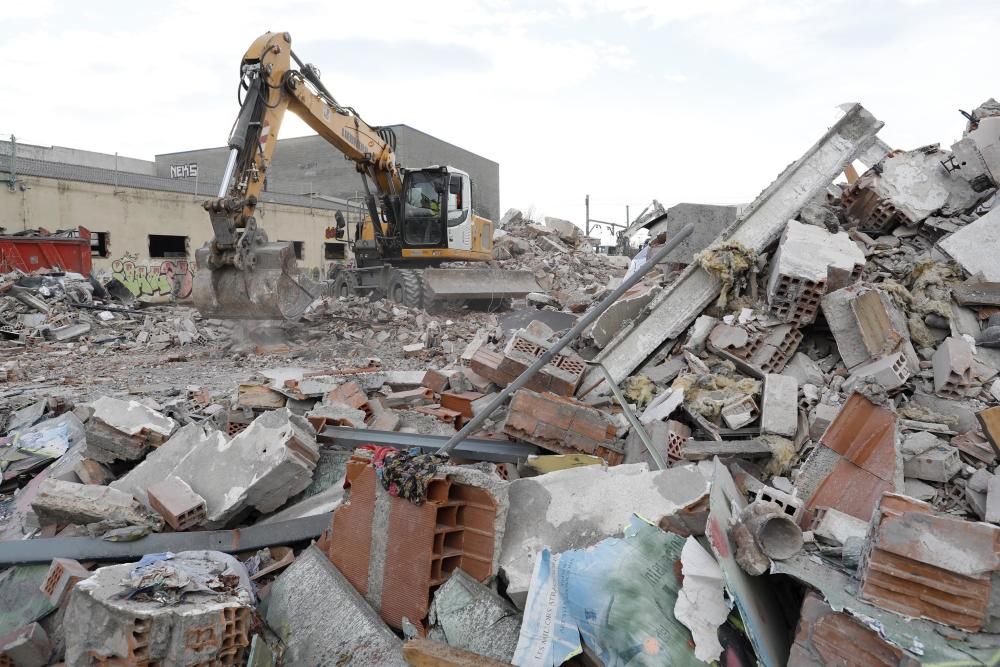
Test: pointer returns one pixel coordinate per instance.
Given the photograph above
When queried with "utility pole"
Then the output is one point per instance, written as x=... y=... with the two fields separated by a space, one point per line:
x=12 y=178
x=586 y=203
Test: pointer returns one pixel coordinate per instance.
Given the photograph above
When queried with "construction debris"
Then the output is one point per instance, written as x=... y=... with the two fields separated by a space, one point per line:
x=778 y=446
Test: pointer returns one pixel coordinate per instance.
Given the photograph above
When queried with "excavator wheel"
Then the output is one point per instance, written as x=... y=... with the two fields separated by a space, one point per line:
x=344 y=285
x=406 y=287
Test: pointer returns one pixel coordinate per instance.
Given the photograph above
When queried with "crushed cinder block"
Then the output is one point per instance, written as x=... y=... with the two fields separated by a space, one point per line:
x=866 y=325
x=68 y=502
x=28 y=646
x=336 y=414
x=396 y=552
x=104 y=623
x=409 y=398
x=800 y=269
x=562 y=425
x=755 y=351
x=337 y=627
x=804 y=370
x=780 y=406
x=586 y=505
x=177 y=503
x=954 y=560
x=953 y=368
x=467 y=615
x=834 y=527
x=622 y=311
x=820 y=418
x=63 y=575
x=124 y=430
x=891 y=372
x=739 y=412
x=927 y=457
x=262 y=467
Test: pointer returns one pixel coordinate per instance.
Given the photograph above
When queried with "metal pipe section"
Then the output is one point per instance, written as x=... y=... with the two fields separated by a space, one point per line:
x=228 y=174
x=569 y=337
x=632 y=419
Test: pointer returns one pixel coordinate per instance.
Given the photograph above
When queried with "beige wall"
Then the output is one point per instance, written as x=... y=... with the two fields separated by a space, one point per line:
x=131 y=214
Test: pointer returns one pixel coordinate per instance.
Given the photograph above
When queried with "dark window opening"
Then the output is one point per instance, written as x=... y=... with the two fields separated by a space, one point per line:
x=100 y=244
x=166 y=246
x=335 y=251
x=298 y=246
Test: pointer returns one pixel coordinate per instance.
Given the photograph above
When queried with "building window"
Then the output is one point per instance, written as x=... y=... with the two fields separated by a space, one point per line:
x=335 y=251
x=166 y=246
x=298 y=246
x=100 y=244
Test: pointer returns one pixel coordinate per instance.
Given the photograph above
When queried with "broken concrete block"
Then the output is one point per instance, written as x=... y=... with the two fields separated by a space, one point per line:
x=739 y=412
x=562 y=425
x=436 y=381
x=698 y=335
x=337 y=414
x=93 y=472
x=820 y=418
x=28 y=646
x=799 y=271
x=564 y=229
x=409 y=398
x=337 y=627
x=955 y=561
x=663 y=405
x=63 y=575
x=351 y=395
x=780 y=406
x=953 y=368
x=124 y=430
x=702 y=450
x=413 y=349
x=836 y=528
x=707 y=221
x=973 y=246
x=67 y=502
x=395 y=552
x=980 y=480
x=621 y=312
x=804 y=370
x=758 y=352
x=467 y=615
x=104 y=622
x=584 y=506
x=262 y=467
x=890 y=372
x=561 y=375
x=177 y=503
x=992 y=513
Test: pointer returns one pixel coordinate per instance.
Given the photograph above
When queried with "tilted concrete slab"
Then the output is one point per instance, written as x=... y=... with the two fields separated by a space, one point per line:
x=579 y=507
x=673 y=310
x=479 y=283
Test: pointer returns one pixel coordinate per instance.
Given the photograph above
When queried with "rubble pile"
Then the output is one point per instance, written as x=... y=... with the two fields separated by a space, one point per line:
x=781 y=450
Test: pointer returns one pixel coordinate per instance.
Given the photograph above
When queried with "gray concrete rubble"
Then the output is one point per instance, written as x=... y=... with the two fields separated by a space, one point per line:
x=199 y=612
x=468 y=615
x=583 y=506
x=260 y=468
x=807 y=385
x=322 y=620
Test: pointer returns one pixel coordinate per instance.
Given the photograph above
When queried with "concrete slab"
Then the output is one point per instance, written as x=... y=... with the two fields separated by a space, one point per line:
x=780 y=406
x=470 y=616
x=673 y=310
x=322 y=620
x=579 y=507
x=708 y=220
x=974 y=246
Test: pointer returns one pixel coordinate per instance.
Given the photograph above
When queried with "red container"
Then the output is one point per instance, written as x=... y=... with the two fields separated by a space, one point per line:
x=29 y=253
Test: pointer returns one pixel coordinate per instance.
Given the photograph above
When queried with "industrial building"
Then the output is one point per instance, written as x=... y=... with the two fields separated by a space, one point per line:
x=146 y=216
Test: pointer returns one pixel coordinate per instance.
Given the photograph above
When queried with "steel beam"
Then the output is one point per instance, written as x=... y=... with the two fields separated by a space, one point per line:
x=475 y=449
x=760 y=225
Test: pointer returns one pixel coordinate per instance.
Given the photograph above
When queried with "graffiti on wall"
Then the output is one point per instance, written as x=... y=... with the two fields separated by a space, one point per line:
x=171 y=276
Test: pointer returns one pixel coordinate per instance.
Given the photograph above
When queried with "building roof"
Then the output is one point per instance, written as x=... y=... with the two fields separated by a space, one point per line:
x=73 y=172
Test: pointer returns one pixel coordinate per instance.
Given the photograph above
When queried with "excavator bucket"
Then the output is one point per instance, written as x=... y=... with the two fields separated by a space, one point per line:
x=478 y=284
x=272 y=289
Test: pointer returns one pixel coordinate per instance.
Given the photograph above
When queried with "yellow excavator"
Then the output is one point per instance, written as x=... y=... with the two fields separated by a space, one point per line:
x=414 y=220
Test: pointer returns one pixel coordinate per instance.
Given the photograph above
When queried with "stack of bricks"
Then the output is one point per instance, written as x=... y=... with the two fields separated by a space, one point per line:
x=562 y=425
x=560 y=376
x=756 y=352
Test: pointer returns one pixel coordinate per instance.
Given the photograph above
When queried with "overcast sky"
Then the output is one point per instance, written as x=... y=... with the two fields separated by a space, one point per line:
x=625 y=100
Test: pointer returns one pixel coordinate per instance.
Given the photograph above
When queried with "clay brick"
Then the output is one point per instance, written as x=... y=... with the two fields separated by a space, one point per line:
x=436 y=381
x=562 y=425
x=353 y=395
x=350 y=549
x=825 y=637
x=177 y=503
x=63 y=575
x=924 y=565
x=460 y=401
